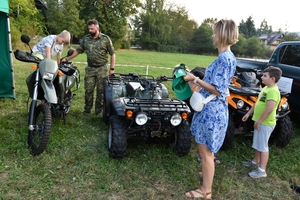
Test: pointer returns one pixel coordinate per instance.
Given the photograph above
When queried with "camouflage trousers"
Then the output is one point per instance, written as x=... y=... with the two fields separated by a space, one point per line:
x=94 y=78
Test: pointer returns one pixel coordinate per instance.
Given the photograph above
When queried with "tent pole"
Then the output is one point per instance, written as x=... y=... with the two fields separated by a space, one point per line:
x=10 y=55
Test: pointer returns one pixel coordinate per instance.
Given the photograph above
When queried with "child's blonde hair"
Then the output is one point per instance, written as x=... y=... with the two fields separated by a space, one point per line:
x=228 y=31
x=66 y=36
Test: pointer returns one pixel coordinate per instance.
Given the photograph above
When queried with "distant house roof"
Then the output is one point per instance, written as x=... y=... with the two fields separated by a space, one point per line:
x=270 y=38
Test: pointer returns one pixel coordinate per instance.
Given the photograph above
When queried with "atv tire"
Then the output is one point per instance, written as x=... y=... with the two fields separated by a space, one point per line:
x=38 y=137
x=282 y=133
x=181 y=139
x=106 y=102
x=117 y=139
x=229 y=137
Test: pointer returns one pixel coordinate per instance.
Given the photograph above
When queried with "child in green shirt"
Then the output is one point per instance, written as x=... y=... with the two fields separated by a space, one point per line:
x=264 y=117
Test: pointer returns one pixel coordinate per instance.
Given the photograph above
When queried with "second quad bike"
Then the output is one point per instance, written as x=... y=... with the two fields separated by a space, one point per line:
x=138 y=106
x=244 y=91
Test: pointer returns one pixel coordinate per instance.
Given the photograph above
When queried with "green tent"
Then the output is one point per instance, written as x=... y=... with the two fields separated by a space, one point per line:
x=7 y=85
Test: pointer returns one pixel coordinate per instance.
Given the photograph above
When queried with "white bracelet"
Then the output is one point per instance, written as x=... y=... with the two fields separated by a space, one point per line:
x=196 y=79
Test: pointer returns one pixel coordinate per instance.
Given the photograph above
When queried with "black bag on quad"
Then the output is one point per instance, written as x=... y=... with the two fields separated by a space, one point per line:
x=138 y=106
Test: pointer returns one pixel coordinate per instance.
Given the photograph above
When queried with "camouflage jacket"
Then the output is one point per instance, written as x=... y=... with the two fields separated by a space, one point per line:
x=97 y=50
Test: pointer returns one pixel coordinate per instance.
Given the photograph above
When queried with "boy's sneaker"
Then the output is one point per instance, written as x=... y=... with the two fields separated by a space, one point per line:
x=257 y=174
x=249 y=163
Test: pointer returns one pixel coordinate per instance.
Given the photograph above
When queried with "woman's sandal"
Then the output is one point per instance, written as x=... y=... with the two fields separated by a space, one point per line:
x=194 y=194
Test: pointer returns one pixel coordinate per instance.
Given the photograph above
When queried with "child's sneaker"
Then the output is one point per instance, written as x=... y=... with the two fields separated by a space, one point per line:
x=257 y=174
x=250 y=163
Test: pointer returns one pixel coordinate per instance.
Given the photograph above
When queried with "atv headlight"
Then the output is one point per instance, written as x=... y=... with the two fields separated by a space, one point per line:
x=240 y=104
x=176 y=119
x=285 y=106
x=48 y=76
x=141 y=119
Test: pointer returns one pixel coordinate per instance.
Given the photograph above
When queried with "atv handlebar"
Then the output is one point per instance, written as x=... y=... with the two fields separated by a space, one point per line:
x=116 y=78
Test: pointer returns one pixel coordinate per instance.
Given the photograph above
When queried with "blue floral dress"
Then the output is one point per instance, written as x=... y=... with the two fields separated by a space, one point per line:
x=209 y=126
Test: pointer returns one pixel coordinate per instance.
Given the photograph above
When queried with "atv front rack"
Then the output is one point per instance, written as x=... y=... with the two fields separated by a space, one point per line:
x=154 y=104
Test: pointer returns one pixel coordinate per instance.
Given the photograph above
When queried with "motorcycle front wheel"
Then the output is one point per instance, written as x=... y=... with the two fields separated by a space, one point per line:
x=38 y=137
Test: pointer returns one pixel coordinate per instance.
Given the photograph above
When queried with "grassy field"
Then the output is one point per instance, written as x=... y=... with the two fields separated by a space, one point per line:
x=76 y=164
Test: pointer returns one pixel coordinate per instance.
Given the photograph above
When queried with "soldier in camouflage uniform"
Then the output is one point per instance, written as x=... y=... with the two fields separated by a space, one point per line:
x=97 y=46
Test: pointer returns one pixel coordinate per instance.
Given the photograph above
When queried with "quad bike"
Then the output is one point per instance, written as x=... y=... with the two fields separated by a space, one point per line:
x=244 y=91
x=50 y=88
x=137 y=106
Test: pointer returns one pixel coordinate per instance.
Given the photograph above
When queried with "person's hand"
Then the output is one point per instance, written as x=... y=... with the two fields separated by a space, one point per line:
x=256 y=125
x=111 y=72
x=189 y=77
x=245 y=118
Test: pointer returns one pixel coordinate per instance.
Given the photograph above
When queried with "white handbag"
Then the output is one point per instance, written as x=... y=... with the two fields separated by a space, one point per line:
x=197 y=101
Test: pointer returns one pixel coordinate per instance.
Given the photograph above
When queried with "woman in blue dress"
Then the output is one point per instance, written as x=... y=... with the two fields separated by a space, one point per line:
x=209 y=126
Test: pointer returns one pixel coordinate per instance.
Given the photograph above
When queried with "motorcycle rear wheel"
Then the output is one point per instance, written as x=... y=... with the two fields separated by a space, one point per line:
x=38 y=137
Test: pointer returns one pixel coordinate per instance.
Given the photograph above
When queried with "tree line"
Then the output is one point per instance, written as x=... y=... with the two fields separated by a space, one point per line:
x=150 y=24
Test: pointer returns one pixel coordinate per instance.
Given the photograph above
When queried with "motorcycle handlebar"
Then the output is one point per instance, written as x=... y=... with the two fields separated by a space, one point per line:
x=26 y=57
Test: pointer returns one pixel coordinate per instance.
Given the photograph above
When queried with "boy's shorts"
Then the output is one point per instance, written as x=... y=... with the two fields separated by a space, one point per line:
x=261 y=138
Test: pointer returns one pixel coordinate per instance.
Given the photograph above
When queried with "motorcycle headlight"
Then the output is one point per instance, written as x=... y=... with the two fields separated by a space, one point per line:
x=176 y=119
x=285 y=106
x=141 y=119
x=240 y=104
x=48 y=76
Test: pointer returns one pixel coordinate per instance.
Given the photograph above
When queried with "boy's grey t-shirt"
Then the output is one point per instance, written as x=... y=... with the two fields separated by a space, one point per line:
x=49 y=41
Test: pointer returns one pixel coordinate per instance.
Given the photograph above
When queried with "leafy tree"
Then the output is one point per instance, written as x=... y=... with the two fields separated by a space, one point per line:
x=247 y=28
x=182 y=28
x=266 y=52
x=153 y=25
x=112 y=16
x=239 y=48
x=202 y=42
x=253 y=47
x=24 y=19
x=291 y=37
x=163 y=27
x=264 y=28
x=63 y=15
x=210 y=22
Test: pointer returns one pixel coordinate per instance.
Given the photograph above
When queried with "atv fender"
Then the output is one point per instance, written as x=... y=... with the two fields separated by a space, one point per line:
x=117 y=107
x=107 y=98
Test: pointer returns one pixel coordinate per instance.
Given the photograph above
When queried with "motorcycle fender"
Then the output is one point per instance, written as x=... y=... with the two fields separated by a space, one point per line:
x=49 y=92
x=70 y=82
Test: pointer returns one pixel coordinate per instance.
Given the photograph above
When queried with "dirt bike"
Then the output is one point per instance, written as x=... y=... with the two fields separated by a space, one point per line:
x=50 y=88
x=244 y=91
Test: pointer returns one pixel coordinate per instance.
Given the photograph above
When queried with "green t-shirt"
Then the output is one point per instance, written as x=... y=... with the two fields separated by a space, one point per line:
x=267 y=94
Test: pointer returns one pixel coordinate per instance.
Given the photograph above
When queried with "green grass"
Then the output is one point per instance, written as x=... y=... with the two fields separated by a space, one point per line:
x=76 y=164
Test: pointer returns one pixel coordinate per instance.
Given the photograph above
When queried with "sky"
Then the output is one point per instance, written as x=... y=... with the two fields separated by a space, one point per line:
x=278 y=14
